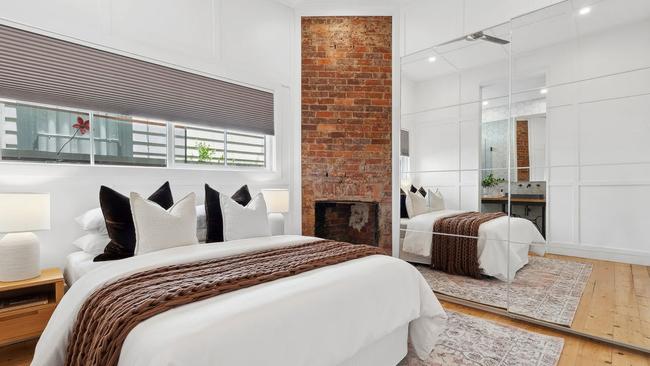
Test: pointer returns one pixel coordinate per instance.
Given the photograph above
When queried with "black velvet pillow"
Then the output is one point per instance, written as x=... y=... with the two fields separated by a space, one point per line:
x=119 y=220
x=403 y=214
x=213 y=215
x=421 y=190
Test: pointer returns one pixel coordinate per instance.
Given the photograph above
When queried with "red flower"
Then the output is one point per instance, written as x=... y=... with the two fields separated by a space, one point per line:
x=81 y=125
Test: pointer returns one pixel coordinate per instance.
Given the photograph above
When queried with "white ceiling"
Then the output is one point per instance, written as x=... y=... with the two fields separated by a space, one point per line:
x=537 y=30
x=345 y=3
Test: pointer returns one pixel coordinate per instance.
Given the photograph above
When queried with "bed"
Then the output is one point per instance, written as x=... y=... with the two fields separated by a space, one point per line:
x=502 y=246
x=78 y=264
x=353 y=313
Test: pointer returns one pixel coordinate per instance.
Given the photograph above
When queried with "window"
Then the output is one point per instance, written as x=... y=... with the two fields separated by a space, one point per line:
x=35 y=133
x=218 y=147
x=129 y=141
x=30 y=132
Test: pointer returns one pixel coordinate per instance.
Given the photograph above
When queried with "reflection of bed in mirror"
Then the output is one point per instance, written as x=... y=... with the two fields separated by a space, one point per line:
x=492 y=244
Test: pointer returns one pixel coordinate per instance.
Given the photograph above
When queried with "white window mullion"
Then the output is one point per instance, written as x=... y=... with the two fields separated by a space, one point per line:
x=225 y=147
x=2 y=128
x=171 y=145
x=91 y=137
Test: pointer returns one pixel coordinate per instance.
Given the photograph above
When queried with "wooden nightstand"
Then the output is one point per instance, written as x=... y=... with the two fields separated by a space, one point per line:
x=26 y=306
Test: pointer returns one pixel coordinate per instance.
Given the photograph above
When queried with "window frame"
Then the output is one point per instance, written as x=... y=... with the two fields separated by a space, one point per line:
x=170 y=126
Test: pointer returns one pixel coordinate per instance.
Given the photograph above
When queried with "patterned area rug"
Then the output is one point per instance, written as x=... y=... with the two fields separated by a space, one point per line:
x=471 y=341
x=545 y=289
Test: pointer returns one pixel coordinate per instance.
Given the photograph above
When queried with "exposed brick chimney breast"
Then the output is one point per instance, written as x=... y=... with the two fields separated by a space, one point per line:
x=346 y=114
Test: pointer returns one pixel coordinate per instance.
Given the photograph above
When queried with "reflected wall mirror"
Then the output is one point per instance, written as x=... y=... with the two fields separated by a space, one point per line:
x=525 y=178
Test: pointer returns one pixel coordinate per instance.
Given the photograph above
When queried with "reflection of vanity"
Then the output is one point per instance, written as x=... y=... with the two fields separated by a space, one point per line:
x=525 y=200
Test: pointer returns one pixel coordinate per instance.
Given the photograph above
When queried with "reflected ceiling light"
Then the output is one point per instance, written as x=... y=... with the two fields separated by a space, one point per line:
x=485 y=102
x=584 y=11
x=543 y=91
x=432 y=59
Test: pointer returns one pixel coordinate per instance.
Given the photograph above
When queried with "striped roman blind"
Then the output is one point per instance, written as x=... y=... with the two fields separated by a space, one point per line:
x=42 y=69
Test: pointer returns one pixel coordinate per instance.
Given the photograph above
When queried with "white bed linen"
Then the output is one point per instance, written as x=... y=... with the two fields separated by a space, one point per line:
x=492 y=244
x=78 y=264
x=321 y=317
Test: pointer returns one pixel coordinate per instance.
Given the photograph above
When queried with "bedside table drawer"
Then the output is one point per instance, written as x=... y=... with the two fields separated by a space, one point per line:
x=24 y=324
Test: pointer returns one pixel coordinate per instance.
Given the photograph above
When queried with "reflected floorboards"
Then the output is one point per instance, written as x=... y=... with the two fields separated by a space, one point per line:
x=577 y=350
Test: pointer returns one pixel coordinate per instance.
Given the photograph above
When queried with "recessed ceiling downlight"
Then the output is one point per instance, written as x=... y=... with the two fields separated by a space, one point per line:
x=584 y=11
x=432 y=59
x=543 y=91
x=485 y=102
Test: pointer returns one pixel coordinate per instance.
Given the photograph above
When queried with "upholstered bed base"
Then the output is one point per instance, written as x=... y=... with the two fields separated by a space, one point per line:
x=411 y=258
x=387 y=351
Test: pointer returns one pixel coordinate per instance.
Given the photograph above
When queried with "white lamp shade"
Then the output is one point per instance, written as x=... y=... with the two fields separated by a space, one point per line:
x=277 y=200
x=20 y=212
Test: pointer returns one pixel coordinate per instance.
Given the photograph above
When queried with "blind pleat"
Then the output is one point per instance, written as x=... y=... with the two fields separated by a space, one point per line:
x=46 y=70
x=404 y=142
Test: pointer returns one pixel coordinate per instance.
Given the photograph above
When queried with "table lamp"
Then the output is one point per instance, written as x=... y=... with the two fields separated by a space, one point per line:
x=20 y=214
x=277 y=204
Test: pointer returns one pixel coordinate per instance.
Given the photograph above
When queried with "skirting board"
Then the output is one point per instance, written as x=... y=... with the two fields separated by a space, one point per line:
x=600 y=253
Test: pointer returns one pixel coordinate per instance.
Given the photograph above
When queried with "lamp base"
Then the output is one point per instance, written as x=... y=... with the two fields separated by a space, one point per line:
x=19 y=257
x=276 y=223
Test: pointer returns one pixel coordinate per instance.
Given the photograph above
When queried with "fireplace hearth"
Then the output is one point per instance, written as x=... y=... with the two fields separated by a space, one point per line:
x=350 y=221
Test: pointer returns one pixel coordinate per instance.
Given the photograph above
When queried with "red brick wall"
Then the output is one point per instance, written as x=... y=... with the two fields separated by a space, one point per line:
x=346 y=114
x=522 y=151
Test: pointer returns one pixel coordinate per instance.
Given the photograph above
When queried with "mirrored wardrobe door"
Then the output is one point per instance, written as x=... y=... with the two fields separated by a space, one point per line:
x=444 y=93
x=581 y=79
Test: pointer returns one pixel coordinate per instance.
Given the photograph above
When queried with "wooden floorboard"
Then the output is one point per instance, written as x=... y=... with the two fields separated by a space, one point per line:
x=616 y=302
x=19 y=354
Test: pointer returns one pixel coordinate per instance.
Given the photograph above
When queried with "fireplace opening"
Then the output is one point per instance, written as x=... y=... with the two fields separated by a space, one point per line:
x=350 y=221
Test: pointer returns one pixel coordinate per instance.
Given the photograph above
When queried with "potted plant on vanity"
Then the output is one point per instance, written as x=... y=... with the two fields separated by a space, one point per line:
x=490 y=185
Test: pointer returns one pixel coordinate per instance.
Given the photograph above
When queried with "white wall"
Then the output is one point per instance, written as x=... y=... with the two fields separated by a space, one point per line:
x=598 y=118
x=248 y=41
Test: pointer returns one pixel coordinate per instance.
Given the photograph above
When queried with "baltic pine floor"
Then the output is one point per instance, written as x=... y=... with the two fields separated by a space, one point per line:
x=616 y=302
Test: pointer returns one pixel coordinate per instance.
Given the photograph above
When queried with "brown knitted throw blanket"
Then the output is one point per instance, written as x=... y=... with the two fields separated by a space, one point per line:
x=110 y=313
x=458 y=255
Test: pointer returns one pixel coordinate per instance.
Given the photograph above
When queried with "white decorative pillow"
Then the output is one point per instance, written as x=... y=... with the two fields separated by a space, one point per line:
x=419 y=204
x=92 y=220
x=241 y=222
x=436 y=201
x=157 y=228
x=93 y=243
x=201 y=224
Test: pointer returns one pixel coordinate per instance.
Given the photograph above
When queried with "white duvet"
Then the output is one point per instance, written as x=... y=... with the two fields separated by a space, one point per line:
x=493 y=244
x=321 y=317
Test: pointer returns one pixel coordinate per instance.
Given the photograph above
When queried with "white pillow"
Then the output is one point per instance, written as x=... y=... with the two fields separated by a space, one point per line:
x=200 y=217
x=419 y=204
x=92 y=220
x=201 y=224
x=157 y=228
x=93 y=243
x=436 y=201
x=241 y=222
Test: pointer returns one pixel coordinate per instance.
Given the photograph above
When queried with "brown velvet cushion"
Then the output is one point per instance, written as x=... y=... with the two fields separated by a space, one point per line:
x=213 y=215
x=119 y=220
